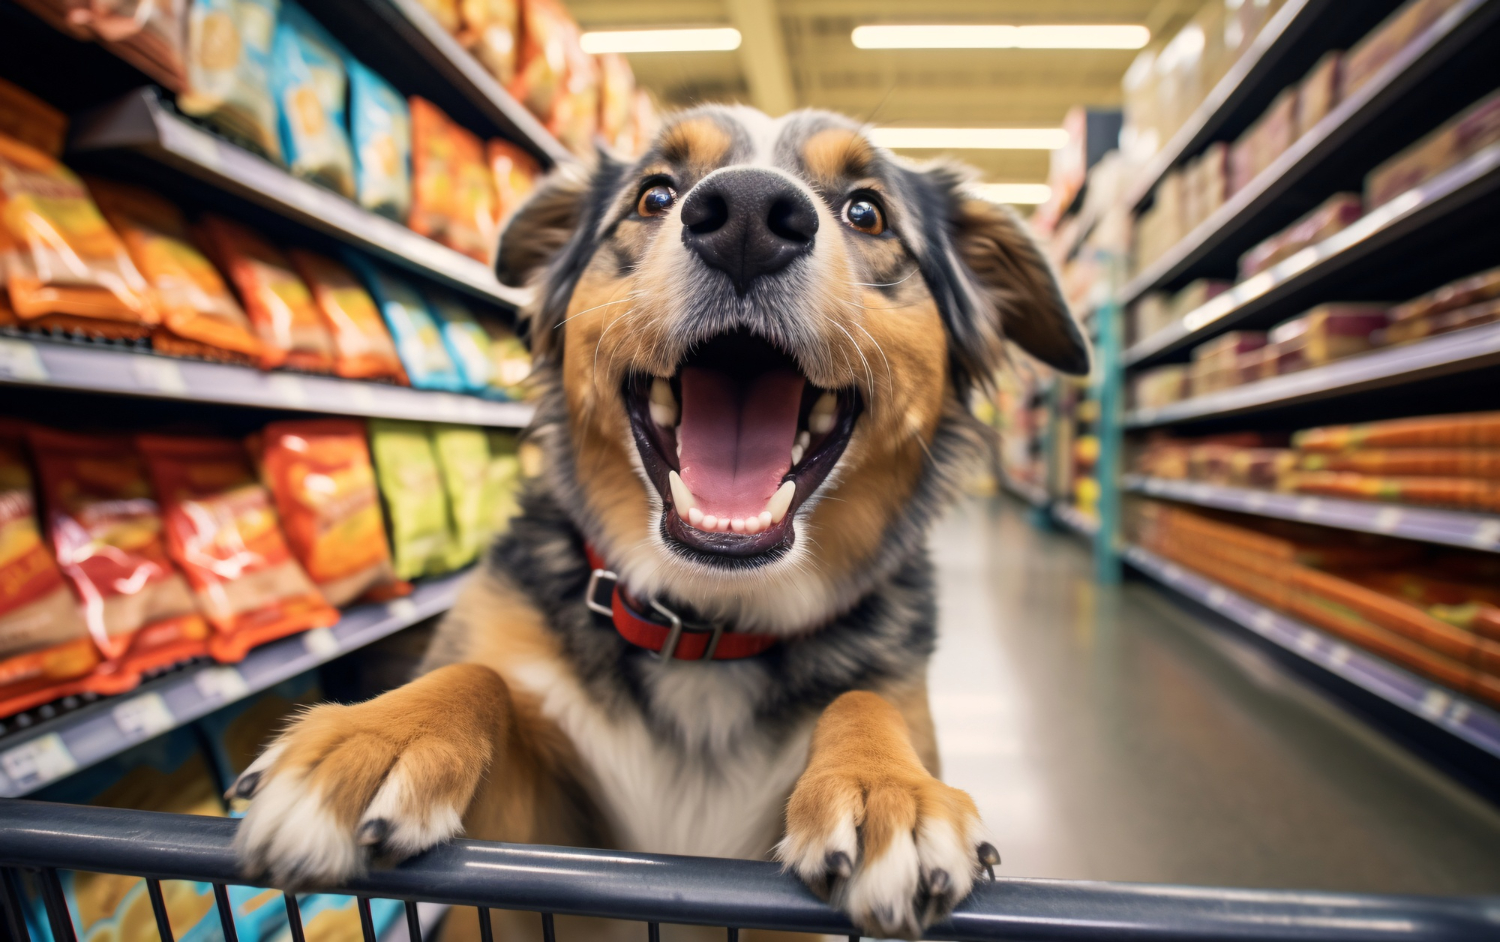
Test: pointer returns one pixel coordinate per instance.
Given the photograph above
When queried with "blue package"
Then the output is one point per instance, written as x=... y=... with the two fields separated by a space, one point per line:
x=228 y=68
x=309 y=83
x=419 y=342
x=380 y=124
x=468 y=344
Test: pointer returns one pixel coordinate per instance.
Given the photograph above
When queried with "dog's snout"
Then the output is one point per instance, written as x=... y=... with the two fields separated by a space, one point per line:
x=748 y=223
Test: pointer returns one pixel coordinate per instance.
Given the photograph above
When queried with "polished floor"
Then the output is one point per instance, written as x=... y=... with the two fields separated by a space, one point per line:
x=1107 y=734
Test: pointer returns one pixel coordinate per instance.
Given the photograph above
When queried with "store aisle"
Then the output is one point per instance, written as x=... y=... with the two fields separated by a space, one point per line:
x=1108 y=734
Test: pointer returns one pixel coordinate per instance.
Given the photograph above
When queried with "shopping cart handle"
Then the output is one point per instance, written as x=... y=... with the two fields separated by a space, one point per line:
x=740 y=893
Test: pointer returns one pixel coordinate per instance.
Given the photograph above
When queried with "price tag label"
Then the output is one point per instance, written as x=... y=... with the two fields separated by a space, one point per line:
x=1487 y=534
x=404 y=609
x=158 y=375
x=320 y=642
x=221 y=684
x=1339 y=655
x=43 y=759
x=1435 y=702
x=144 y=716
x=1264 y=621
x=361 y=397
x=1388 y=519
x=1308 y=507
x=1255 y=500
x=445 y=405
x=19 y=360
x=1308 y=640
x=1217 y=597
x=288 y=389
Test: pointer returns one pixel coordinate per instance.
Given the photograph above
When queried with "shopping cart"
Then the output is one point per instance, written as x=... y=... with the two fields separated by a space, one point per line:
x=736 y=894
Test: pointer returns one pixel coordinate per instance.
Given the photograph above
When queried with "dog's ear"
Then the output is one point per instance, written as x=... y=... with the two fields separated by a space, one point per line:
x=550 y=239
x=996 y=284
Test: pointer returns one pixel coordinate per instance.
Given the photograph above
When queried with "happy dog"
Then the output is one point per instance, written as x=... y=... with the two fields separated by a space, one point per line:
x=756 y=346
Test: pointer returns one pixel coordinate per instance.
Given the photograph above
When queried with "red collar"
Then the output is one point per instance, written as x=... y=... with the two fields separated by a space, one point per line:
x=666 y=631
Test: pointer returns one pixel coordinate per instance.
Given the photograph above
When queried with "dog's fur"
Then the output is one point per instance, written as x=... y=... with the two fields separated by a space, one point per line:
x=534 y=721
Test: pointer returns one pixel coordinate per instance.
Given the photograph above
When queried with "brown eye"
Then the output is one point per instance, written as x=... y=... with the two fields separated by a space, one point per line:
x=656 y=200
x=864 y=215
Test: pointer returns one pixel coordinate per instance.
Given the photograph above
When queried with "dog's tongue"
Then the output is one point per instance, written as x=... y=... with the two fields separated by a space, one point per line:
x=737 y=438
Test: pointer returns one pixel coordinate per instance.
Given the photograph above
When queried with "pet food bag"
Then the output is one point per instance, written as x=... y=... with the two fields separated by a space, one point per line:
x=542 y=60
x=286 y=318
x=307 y=75
x=26 y=118
x=502 y=480
x=200 y=316
x=45 y=648
x=61 y=256
x=106 y=532
x=320 y=473
x=411 y=486
x=419 y=341
x=515 y=173
x=463 y=455
x=223 y=531
x=489 y=32
x=453 y=194
x=468 y=345
x=229 y=71
x=362 y=346
x=381 y=126
x=510 y=361
x=149 y=34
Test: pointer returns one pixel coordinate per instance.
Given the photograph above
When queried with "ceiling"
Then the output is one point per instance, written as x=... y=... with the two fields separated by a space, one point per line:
x=797 y=53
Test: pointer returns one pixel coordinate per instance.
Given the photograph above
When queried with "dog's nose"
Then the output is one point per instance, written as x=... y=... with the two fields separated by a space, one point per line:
x=748 y=223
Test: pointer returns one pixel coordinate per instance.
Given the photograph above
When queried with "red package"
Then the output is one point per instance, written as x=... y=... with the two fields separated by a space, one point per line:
x=106 y=532
x=223 y=531
x=453 y=194
x=286 y=318
x=320 y=473
x=362 y=343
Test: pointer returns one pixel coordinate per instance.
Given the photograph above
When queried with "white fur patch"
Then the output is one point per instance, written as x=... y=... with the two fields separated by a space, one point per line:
x=883 y=890
x=413 y=828
x=941 y=847
x=291 y=835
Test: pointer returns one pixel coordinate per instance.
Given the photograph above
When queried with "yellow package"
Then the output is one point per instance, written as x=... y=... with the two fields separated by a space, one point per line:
x=229 y=69
x=463 y=456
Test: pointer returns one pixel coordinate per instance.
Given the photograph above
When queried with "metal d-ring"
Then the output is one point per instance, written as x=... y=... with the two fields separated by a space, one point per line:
x=669 y=650
x=592 y=593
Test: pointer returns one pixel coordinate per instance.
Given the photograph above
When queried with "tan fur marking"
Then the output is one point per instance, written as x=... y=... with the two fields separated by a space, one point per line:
x=697 y=142
x=837 y=152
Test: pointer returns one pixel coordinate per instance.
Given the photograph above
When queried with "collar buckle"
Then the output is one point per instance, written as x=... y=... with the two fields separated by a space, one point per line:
x=674 y=623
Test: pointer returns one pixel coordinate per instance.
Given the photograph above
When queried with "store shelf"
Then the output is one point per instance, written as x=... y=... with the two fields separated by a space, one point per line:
x=1471 y=349
x=412 y=50
x=1359 y=133
x=56 y=748
x=102 y=369
x=142 y=124
x=1032 y=494
x=1075 y=520
x=1464 y=718
x=1379 y=239
x=1448 y=527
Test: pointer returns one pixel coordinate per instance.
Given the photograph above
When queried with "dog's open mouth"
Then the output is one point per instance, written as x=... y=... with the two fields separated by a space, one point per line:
x=735 y=442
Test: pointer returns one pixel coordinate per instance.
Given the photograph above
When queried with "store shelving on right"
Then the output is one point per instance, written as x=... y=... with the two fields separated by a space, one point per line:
x=1311 y=303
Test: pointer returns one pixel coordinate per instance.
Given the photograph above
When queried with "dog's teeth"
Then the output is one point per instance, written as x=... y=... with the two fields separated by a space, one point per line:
x=723 y=524
x=752 y=525
x=780 y=501
x=804 y=438
x=796 y=454
x=682 y=498
x=737 y=524
x=664 y=409
x=765 y=519
x=820 y=419
x=710 y=522
x=695 y=517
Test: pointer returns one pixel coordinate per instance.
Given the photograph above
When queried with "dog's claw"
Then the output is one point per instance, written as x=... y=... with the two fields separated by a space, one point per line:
x=244 y=786
x=989 y=859
x=938 y=883
x=839 y=865
x=373 y=832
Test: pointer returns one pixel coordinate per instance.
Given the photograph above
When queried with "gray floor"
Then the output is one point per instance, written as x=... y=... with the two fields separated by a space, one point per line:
x=1108 y=734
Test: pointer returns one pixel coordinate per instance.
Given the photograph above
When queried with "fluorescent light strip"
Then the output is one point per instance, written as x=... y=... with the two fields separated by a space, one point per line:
x=969 y=138
x=720 y=39
x=1028 y=194
x=994 y=36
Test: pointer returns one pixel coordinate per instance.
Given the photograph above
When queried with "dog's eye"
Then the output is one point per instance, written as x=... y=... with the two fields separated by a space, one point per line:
x=864 y=215
x=656 y=200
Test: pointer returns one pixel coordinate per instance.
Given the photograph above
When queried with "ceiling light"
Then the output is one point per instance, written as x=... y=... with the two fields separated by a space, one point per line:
x=661 y=40
x=969 y=138
x=1028 y=194
x=990 y=36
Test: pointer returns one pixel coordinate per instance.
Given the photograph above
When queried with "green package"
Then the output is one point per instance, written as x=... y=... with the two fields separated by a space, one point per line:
x=411 y=486
x=463 y=454
x=503 y=483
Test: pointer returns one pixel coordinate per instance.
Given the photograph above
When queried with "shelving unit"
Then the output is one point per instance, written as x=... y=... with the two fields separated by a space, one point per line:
x=1472 y=722
x=52 y=749
x=1448 y=527
x=112 y=371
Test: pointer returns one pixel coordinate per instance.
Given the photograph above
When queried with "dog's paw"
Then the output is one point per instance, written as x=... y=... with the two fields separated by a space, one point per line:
x=388 y=778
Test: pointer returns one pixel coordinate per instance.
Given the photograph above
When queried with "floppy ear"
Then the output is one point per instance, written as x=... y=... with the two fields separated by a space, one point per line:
x=993 y=283
x=549 y=241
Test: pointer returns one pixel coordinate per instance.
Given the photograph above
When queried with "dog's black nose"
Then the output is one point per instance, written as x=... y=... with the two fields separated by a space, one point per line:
x=748 y=223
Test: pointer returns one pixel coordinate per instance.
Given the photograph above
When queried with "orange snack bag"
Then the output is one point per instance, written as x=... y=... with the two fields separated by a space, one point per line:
x=61 y=257
x=195 y=303
x=616 y=99
x=106 y=532
x=489 y=31
x=515 y=173
x=320 y=473
x=542 y=61
x=26 y=118
x=223 y=531
x=291 y=330
x=453 y=194
x=363 y=347
x=45 y=648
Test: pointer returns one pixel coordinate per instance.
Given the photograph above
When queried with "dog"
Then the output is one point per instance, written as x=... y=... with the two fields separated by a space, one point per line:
x=707 y=631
